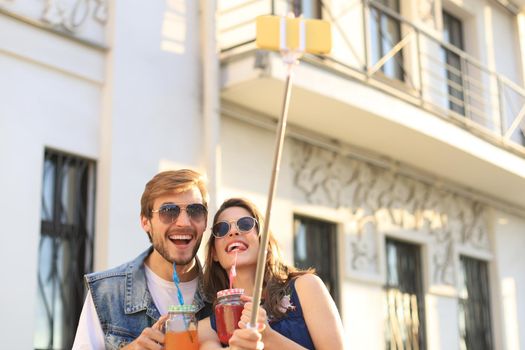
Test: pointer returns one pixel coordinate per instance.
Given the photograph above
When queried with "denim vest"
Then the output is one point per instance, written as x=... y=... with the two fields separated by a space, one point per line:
x=124 y=304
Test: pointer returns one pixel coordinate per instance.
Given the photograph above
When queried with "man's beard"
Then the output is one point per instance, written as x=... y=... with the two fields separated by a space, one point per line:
x=160 y=245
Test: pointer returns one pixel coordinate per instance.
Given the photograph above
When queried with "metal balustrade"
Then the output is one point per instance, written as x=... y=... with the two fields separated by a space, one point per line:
x=408 y=61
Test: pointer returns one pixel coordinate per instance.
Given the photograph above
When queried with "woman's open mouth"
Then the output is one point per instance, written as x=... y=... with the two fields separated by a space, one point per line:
x=236 y=246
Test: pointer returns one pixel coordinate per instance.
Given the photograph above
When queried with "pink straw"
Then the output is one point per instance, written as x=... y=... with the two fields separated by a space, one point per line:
x=233 y=271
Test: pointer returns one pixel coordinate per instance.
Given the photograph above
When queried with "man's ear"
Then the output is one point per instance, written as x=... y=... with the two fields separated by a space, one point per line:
x=145 y=223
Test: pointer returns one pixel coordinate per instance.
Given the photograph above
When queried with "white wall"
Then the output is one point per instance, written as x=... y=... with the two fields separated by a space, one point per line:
x=509 y=244
x=246 y=162
x=442 y=325
x=363 y=315
x=505 y=44
x=247 y=156
x=151 y=114
x=50 y=89
x=134 y=109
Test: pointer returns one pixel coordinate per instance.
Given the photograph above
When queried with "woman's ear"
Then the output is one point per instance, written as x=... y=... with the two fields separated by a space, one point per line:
x=214 y=255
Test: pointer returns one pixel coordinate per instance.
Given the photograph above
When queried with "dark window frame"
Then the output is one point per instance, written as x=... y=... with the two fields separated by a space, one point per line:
x=475 y=318
x=298 y=5
x=66 y=246
x=405 y=283
x=385 y=33
x=330 y=274
x=453 y=34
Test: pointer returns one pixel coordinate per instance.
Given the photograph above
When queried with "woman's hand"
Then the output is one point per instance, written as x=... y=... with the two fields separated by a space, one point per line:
x=262 y=319
x=246 y=339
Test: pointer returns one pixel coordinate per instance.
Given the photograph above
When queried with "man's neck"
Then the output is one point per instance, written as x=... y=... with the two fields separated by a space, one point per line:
x=164 y=269
x=188 y=272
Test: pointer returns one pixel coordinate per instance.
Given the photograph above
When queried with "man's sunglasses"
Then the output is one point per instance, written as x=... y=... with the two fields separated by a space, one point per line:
x=244 y=224
x=168 y=213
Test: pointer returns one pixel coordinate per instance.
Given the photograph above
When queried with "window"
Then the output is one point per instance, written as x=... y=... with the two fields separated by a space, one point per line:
x=453 y=34
x=66 y=247
x=385 y=33
x=474 y=305
x=315 y=245
x=307 y=8
x=405 y=312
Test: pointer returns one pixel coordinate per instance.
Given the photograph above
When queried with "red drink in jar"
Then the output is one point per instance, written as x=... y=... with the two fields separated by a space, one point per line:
x=228 y=312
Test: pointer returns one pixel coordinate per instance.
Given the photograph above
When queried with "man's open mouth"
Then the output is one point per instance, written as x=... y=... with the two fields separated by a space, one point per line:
x=236 y=246
x=180 y=239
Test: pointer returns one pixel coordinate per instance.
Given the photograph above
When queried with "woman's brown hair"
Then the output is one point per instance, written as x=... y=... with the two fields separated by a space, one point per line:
x=277 y=275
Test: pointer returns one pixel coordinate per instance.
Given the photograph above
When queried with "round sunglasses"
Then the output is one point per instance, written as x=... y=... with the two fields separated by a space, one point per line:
x=244 y=225
x=168 y=213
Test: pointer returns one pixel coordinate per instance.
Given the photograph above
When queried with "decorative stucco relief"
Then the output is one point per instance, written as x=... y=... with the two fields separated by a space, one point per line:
x=71 y=15
x=427 y=12
x=84 y=19
x=382 y=201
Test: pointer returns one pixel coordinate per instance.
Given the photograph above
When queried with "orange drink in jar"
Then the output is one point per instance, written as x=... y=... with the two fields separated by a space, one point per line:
x=181 y=328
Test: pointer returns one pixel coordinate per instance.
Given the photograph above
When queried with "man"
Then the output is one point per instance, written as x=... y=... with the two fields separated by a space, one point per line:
x=124 y=305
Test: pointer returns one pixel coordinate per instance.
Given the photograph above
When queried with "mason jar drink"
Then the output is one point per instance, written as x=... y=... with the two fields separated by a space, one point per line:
x=181 y=328
x=228 y=311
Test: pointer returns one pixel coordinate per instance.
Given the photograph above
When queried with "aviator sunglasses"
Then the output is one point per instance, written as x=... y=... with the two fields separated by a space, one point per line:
x=168 y=213
x=244 y=224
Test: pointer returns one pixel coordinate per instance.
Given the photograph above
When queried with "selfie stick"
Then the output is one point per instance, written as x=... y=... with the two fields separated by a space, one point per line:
x=292 y=37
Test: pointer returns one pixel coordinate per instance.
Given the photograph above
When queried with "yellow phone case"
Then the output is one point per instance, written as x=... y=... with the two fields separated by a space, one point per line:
x=318 y=39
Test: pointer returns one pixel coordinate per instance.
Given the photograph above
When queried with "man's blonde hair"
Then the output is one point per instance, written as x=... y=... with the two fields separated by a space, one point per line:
x=171 y=181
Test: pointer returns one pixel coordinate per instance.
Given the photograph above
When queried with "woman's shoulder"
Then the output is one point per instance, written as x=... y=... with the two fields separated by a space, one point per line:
x=309 y=286
x=307 y=280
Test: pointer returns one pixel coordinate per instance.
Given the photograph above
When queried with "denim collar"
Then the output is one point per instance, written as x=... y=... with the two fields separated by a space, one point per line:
x=138 y=297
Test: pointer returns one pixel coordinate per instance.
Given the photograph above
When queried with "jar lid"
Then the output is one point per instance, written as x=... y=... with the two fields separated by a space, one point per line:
x=233 y=291
x=182 y=308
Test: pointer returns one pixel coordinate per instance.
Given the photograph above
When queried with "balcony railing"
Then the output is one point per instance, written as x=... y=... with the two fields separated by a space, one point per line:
x=375 y=44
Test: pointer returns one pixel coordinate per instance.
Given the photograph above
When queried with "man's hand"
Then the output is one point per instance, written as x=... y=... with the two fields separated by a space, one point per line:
x=150 y=338
x=246 y=339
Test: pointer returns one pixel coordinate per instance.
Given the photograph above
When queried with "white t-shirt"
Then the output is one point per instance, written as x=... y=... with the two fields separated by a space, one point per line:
x=164 y=293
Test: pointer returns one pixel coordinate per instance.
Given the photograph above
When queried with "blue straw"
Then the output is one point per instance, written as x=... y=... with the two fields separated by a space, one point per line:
x=176 y=280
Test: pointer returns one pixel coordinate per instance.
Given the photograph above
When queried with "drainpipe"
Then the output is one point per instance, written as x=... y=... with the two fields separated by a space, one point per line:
x=210 y=98
x=520 y=24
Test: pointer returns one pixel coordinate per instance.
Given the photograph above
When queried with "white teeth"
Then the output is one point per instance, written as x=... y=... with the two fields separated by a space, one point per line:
x=185 y=237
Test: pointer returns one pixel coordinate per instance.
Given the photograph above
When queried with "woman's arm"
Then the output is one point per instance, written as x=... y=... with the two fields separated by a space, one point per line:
x=272 y=340
x=320 y=313
x=242 y=339
x=208 y=339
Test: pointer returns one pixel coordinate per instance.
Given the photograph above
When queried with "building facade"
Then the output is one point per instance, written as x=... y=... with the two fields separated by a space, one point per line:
x=403 y=172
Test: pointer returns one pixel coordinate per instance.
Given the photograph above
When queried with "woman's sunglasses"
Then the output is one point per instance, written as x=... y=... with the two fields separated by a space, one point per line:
x=168 y=213
x=244 y=224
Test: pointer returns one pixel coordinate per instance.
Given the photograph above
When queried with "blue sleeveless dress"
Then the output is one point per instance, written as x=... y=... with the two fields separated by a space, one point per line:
x=291 y=325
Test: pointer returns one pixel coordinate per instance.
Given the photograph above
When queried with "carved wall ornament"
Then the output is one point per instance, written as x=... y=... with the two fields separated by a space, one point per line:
x=83 y=19
x=382 y=201
x=427 y=13
x=72 y=14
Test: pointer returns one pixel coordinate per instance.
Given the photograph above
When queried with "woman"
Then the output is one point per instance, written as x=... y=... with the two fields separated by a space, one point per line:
x=297 y=306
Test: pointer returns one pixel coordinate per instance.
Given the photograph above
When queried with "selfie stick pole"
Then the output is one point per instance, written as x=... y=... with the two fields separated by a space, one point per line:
x=289 y=36
x=261 y=258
